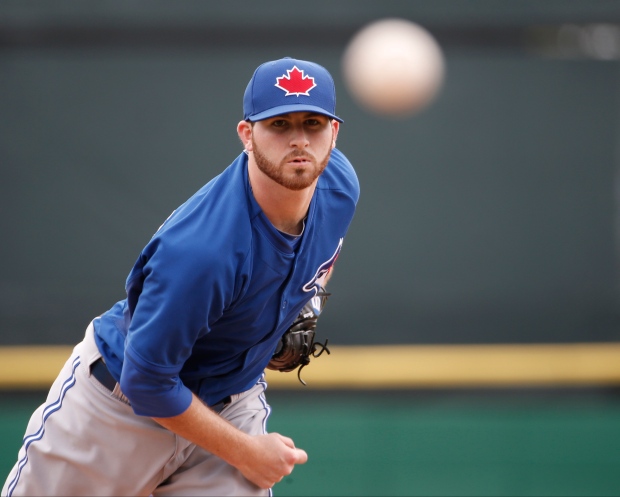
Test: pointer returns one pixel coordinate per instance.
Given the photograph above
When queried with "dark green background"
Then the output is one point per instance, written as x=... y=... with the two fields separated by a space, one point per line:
x=428 y=443
x=491 y=216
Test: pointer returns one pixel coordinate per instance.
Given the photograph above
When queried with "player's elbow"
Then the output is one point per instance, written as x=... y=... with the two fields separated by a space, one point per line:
x=153 y=395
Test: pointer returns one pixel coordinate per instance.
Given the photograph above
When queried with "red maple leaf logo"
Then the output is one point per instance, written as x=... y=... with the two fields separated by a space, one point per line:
x=295 y=82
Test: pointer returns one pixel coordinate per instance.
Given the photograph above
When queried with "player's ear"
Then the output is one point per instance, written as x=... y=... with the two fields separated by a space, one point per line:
x=335 y=128
x=244 y=131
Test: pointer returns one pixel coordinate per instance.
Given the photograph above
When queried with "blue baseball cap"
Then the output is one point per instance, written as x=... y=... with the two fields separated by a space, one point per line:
x=289 y=85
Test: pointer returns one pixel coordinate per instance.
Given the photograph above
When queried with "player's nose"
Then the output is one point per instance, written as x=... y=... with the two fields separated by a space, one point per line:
x=299 y=137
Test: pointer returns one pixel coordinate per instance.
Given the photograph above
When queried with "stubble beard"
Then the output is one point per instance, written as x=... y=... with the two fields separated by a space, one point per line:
x=301 y=179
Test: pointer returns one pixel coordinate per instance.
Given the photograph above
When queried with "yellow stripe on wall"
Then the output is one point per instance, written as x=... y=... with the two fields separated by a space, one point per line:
x=31 y=366
x=389 y=366
x=448 y=366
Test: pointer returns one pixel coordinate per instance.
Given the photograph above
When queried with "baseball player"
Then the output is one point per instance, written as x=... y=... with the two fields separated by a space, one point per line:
x=165 y=395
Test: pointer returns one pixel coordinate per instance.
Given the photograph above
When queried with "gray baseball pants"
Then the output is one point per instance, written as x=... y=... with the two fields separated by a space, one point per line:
x=86 y=440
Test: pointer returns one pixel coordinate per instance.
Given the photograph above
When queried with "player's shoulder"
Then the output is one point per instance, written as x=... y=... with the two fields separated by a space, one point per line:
x=215 y=218
x=340 y=175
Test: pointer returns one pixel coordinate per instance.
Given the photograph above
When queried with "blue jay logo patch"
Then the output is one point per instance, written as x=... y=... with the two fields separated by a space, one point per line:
x=319 y=280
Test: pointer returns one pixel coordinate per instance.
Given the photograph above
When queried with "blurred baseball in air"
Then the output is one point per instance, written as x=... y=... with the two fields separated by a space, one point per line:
x=393 y=67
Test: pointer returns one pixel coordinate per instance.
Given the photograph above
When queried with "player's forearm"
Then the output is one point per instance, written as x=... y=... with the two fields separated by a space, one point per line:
x=200 y=425
x=262 y=459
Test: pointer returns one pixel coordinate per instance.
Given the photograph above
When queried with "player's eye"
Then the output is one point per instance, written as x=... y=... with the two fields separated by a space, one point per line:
x=278 y=123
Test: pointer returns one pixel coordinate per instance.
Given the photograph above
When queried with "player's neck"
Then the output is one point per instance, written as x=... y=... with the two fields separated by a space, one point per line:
x=285 y=208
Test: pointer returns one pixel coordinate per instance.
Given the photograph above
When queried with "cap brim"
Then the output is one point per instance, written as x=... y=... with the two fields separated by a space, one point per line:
x=286 y=109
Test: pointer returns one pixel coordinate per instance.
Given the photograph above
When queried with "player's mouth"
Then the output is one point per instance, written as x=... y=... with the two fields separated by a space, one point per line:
x=299 y=159
x=300 y=162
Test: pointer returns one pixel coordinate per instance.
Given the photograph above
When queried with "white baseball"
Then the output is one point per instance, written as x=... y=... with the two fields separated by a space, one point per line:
x=393 y=67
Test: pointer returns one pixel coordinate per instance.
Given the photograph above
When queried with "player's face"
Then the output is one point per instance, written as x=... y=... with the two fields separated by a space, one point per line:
x=293 y=149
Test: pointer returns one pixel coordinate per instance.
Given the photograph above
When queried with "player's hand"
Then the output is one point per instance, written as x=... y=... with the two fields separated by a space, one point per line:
x=271 y=458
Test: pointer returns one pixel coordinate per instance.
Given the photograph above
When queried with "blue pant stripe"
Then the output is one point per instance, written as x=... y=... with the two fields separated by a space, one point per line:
x=47 y=412
x=267 y=407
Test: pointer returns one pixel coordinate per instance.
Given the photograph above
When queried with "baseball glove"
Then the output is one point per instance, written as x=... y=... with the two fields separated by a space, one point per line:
x=297 y=344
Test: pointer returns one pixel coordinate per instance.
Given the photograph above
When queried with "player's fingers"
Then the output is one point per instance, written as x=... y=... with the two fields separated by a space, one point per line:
x=301 y=455
x=287 y=441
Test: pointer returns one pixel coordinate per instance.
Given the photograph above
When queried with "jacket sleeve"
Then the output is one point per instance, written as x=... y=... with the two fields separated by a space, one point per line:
x=180 y=293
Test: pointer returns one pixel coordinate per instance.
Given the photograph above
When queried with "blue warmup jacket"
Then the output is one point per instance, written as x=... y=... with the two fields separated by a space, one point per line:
x=216 y=287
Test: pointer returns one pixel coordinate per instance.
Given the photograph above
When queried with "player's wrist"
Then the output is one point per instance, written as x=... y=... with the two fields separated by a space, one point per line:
x=243 y=452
